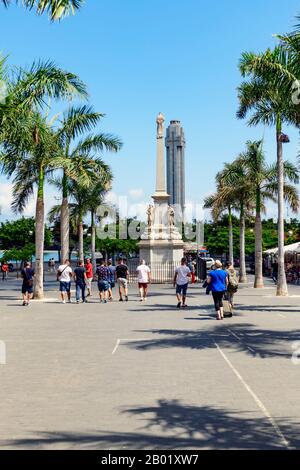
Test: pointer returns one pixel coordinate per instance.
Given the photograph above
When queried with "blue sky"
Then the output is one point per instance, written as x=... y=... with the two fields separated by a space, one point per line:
x=139 y=58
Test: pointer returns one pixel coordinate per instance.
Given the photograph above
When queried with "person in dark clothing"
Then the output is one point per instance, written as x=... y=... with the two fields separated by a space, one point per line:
x=122 y=278
x=80 y=282
x=275 y=271
x=27 y=274
x=103 y=281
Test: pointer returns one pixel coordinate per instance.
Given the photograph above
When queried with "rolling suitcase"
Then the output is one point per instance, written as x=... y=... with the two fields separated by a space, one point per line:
x=227 y=307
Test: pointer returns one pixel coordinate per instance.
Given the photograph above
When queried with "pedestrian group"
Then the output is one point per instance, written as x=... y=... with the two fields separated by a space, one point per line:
x=223 y=284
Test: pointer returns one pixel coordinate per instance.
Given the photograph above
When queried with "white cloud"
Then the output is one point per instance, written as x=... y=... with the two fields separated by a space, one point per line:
x=136 y=193
x=6 y=197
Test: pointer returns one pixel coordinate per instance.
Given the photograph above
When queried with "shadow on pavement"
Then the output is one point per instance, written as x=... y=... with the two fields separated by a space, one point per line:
x=174 y=425
x=245 y=338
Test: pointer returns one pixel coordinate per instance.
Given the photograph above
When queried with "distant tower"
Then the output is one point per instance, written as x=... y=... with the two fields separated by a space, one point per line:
x=175 y=144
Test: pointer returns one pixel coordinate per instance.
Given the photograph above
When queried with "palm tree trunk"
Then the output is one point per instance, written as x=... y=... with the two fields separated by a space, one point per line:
x=80 y=239
x=230 y=235
x=259 y=281
x=243 y=274
x=39 y=240
x=282 y=289
x=93 y=241
x=65 y=223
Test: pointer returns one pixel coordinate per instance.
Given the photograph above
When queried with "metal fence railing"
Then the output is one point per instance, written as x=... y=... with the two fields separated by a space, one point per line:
x=161 y=273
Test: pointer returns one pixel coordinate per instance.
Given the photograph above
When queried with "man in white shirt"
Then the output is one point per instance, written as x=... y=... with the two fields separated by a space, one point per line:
x=181 y=281
x=144 y=278
x=64 y=276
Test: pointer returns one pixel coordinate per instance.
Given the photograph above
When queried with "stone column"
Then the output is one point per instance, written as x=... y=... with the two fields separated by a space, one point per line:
x=160 y=158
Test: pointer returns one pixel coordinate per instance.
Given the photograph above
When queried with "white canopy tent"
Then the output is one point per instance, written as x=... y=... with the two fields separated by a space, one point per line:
x=293 y=248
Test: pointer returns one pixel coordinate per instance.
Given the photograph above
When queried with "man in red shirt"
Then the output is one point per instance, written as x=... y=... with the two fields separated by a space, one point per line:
x=89 y=276
x=4 y=269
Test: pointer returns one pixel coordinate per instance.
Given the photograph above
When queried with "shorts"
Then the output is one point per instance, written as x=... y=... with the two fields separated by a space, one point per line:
x=122 y=282
x=64 y=286
x=181 y=290
x=143 y=285
x=103 y=286
x=26 y=289
x=88 y=282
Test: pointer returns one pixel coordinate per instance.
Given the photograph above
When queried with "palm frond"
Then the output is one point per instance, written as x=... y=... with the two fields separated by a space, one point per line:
x=98 y=143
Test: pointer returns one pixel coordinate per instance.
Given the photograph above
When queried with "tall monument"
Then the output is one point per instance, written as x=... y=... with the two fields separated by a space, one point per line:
x=175 y=145
x=161 y=242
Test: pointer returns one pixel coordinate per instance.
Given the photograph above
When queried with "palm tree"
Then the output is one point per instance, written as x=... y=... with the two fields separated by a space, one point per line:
x=259 y=176
x=268 y=95
x=234 y=178
x=84 y=197
x=235 y=191
x=29 y=148
x=29 y=170
x=75 y=122
x=56 y=9
x=95 y=197
x=221 y=202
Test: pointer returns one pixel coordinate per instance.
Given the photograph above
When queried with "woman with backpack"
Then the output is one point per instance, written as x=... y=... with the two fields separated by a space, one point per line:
x=233 y=283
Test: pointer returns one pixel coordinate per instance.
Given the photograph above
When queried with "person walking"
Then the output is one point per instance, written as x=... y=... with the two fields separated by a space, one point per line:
x=27 y=274
x=103 y=284
x=64 y=276
x=122 y=275
x=191 y=267
x=218 y=281
x=233 y=283
x=89 y=276
x=52 y=265
x=4 y=269
x=80 y=282
x=181 y=281
x=275 y=271
x=111 y=279
x=144 y=279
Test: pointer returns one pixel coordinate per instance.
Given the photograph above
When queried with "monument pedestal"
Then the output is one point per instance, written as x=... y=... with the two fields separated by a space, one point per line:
x=156 y=252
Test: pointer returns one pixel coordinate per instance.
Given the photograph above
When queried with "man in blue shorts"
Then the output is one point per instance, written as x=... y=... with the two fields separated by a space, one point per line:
x=27 y=285
x=64 y=276
x=103 y=281
x=181 y=281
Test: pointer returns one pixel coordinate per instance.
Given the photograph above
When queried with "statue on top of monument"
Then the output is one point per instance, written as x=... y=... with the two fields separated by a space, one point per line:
x=160 y=125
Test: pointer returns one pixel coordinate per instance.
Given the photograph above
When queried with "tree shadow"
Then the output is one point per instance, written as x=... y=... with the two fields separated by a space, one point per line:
x=245 y=338
x=175 y=425
x=267 y=308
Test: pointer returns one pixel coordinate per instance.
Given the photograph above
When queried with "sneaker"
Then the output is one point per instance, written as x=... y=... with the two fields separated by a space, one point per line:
x=63 y=301
x=105 y=301
x=77 y=301
x=141 y=299
x=121 y=300
x=24 y=304
x=126 y=298
x=179 y=305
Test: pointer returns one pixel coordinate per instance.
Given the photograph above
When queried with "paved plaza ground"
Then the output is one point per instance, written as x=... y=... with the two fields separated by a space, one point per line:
x=149 y=376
